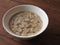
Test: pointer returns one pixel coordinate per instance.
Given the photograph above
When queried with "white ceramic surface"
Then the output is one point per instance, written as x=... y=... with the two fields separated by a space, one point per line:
x=19 y=8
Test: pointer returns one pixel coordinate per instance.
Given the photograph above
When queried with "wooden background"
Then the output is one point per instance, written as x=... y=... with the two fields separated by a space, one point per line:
x=52 y=34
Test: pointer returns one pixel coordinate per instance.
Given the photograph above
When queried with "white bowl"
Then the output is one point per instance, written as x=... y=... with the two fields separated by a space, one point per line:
x=19 y=8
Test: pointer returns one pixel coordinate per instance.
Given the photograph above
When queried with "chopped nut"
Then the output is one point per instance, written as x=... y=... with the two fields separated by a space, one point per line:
x=25 y=23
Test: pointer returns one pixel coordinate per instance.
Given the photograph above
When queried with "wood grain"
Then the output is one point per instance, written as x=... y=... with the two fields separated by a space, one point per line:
x=52 y=34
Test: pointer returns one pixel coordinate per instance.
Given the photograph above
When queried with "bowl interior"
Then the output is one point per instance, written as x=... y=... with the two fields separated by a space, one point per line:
x=19 y=8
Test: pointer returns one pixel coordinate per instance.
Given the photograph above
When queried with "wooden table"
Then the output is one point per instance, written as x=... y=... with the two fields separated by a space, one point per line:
x=52 y=34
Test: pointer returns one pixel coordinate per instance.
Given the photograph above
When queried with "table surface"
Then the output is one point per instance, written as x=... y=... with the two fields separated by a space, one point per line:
x=52 y=34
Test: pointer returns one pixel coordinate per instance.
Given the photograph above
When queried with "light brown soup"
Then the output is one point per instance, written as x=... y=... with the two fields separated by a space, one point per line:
x=25 y=23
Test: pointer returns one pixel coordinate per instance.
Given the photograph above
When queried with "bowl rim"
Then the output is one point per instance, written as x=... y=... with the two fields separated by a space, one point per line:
x=18 y=35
